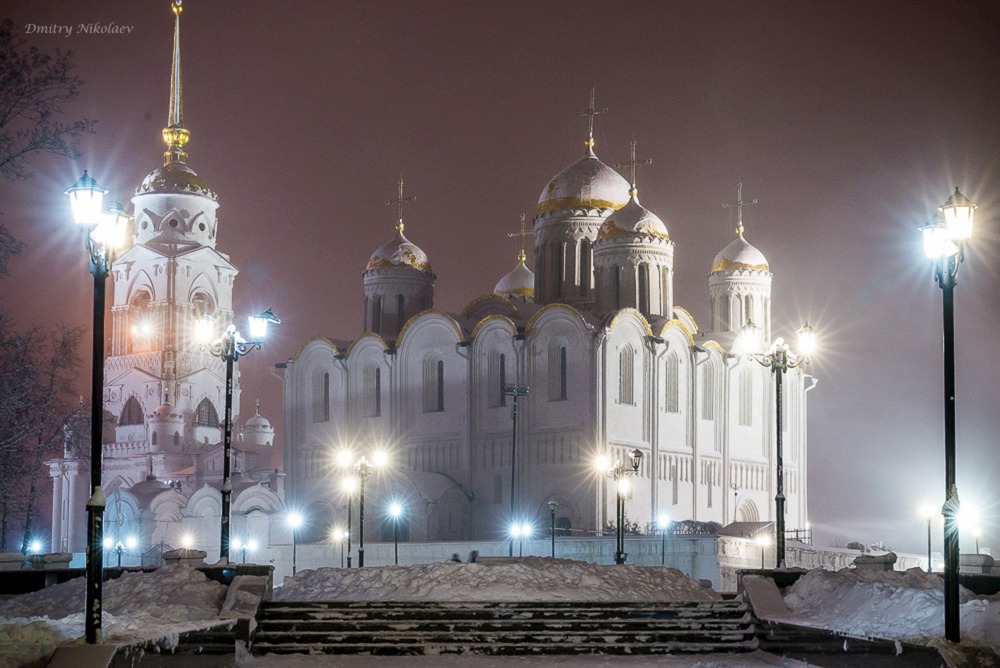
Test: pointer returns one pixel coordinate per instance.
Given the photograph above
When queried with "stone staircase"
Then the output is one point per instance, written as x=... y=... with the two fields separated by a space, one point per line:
x=511 y=628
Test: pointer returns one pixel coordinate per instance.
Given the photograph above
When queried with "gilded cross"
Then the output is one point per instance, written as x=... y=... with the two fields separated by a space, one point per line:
x=739 y=204
x=632 y=164
x=399 y=203
x=590 y=113
x=523 y=233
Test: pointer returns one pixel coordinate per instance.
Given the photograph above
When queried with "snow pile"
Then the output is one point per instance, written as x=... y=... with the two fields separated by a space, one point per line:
x=527 y=579
x=153 y=606
x=888 y=604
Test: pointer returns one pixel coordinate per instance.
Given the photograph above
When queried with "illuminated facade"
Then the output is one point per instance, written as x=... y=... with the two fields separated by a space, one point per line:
x=610 y=363
x=164 y=394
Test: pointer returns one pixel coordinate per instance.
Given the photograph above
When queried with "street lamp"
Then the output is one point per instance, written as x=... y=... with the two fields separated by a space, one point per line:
x=105 y=233
x=927 y=511
x=663 y=522
x=362 y=468
x=231 y=347
x=349 y=484
x=780 y=359
x=553 y=504
x=519 y=531
x=395 y=510
x=515 y=391
x=944 y=244
x=338 y=536
x=619 y=473
x=763 y=540
x=294 y=521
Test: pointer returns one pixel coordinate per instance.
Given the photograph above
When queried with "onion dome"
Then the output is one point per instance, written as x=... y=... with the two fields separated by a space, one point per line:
x=739 y=254
x=400 y=252
x=586 y=183
x=519 y=283
x=633 y=219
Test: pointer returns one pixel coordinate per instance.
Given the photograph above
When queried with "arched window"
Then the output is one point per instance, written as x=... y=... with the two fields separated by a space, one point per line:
x=746 y=398
x=131 y=413
x=400 y=312
x=707 y=392
x=142 y=329
x=671 y=401
x=376 y=323
x=206 y=415
x=585 y=270
x=373 y=391
x=433 y=385
x=496 y=378
x=321 y=398
x=643 y=301
x=626 y=376
x=558 y=372
x=152 y=438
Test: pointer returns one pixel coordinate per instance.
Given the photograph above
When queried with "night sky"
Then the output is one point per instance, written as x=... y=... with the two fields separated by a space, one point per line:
x=849 y=121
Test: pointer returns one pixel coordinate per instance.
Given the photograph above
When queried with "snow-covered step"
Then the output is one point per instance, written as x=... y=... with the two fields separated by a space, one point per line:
x=503 y=628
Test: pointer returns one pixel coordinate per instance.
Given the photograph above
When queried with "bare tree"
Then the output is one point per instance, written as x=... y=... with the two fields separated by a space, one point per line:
x=37 y=370
x=33 y=87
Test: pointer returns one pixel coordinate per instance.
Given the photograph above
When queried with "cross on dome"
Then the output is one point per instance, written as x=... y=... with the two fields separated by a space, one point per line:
x=590 y=113
x=523 y=233
x=632 y=164
x=739 y=204
x=399 y=203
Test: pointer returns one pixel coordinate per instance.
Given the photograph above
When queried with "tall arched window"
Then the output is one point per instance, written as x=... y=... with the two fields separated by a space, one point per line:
x=626 y=376
x=746 y=397
x=142 y=329
x=376 y=324
x=400 y=312
x=707 y=392
x=496 y=378
x=373 y=391
x=643 y=301
x=585 y=270
x=321 y=397
x=558 y=371
x=206 y=415
x=433 y=385
x=671 y=401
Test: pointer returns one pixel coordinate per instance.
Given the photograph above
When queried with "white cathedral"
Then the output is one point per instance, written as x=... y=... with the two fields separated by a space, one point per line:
x=591 y=348
x=600 y=361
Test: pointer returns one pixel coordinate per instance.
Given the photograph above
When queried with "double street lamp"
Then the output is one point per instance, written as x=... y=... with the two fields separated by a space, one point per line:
x=231 y=346
x=362 y=468
x=944 y=244
x=105 y=229
x=249 y=545
x=779 y=359
x=618 y=472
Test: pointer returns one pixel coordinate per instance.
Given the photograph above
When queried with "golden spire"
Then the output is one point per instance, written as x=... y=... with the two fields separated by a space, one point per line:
x=521 y=257
x=175 y=134
x=590 y=113
x=739 y=204
x=632 y=164
x=399 y=202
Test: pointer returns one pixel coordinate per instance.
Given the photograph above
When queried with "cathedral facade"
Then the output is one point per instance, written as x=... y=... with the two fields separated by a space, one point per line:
x=499 y=413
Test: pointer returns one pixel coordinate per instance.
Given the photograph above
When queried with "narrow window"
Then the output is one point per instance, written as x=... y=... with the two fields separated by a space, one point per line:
x=585 y=267
x=376 y=323
x=400 y=312
x=643 y=300
x=502 y=399
x=672 y=399
x=440 y=385
x=433 y=385
x=626 y=376
x=562 y=372
x=559 y=250
x=321 y=398
x=707 y=393
x=746 y=398
x=378 y=392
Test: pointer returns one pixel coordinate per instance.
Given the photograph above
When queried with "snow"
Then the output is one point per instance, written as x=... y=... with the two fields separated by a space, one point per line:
x=154 y=606
x=895 y=605
x=158 y=606
x=526 y=579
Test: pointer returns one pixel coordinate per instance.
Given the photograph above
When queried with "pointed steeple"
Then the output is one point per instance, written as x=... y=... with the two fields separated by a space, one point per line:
x=175 y=134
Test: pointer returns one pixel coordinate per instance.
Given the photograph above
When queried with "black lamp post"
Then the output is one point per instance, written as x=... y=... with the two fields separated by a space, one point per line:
x=944 y=244
x=231 y=347
x=339 y=536
x=513 y=391
x=619 y=473
x=553 y=504
x=780 y=359
x=664 y=522
x=361 y=468
x=928 y=512
x=294 y=521
x=395 y=510
x=105 y=232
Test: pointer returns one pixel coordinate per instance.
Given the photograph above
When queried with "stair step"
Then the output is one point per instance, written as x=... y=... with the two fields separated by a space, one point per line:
x=497 y=649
